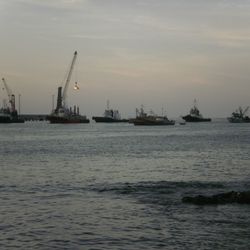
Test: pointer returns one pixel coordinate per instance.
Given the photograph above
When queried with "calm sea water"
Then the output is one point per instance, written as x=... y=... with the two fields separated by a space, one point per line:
x=117 y=186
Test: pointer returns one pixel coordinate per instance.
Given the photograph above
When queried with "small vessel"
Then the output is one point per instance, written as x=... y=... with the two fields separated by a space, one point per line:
x=109 y=116
x=239 y=116
x=66 y=115
x=182 y=123
x=63 y=114
x=195 y=115
x=143 y=118
x=9 y=114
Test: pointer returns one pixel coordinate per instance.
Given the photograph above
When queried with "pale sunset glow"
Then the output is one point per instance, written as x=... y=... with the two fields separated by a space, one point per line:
x=153 y=52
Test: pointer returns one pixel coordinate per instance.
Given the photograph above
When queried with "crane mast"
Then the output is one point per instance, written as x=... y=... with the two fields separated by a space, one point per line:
x=246 y=109
x=10 y=95
x=64 y=95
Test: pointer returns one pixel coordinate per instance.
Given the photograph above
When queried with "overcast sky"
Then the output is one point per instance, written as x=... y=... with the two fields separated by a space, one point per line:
x=159 y=53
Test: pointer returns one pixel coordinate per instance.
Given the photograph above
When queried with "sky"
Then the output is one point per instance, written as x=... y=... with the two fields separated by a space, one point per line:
x=162 y=54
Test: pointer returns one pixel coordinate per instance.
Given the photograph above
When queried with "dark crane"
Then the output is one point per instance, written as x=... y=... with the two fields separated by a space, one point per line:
x=62 y=96
x=11 y=96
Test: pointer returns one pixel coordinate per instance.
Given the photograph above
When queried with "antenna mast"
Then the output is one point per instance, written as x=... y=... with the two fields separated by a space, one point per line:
x=107 y=104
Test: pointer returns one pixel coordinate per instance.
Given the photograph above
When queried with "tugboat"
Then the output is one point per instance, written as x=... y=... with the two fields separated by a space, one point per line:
x=143 y=118
x=9 y=114
x=239 y=116
x=195 y=115
x=63 y=114
x=109 y=116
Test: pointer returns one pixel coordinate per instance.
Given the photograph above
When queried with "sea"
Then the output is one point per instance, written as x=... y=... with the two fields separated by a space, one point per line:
x=120 y=186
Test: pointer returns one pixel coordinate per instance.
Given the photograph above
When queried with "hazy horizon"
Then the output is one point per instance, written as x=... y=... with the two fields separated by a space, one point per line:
x=162 y=54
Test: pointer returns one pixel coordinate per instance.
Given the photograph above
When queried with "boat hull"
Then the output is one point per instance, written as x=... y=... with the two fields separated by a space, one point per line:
x=189 y=118
x=235 y=120
x=10 y=120
x=140 y=122
x=57 y=119
x=107 y=119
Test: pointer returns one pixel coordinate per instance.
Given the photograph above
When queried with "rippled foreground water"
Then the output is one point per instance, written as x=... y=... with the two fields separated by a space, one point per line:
x=116 y=186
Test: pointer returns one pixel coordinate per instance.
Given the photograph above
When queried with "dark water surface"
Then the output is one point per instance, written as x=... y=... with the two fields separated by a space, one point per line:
x=116 y=186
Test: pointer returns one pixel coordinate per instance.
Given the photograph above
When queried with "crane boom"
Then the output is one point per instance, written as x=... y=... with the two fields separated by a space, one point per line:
x=10 y=95
x=68 y=78
x=246 y=109
x=8 y=90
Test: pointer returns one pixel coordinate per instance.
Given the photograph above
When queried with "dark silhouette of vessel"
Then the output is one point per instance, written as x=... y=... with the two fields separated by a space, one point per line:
x=9 y=114
x=144 y=119
x=63 y=114
x=109 y=116
x=195 y=115
x=239 y=116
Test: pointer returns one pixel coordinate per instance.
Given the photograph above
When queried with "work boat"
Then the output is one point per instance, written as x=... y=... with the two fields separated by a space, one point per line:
x=195 y=115
x=9 y=114
x=63 y=114
x=109 y=116
x=239 y=116
x=143 y=118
